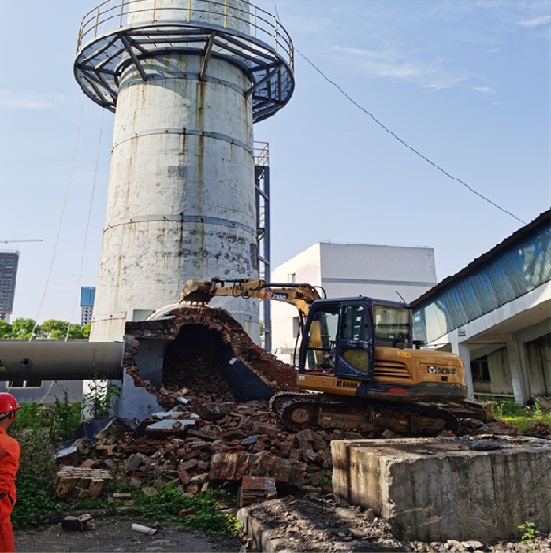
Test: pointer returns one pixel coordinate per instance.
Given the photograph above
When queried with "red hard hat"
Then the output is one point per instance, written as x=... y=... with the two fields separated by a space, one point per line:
x=8 y=403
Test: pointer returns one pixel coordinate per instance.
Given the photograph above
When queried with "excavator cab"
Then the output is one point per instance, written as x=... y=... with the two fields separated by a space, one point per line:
x=341 y=335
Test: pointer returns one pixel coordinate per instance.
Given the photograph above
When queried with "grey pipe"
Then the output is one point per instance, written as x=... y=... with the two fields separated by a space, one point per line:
x=50 y=360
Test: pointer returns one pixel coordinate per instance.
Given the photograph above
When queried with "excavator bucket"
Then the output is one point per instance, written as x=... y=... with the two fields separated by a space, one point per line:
x=196 y=291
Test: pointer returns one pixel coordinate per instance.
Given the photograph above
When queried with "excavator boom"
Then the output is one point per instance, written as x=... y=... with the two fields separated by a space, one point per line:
x=299 y=295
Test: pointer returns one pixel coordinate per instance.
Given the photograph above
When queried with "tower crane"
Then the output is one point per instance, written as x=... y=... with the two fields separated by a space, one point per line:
x=29 y=240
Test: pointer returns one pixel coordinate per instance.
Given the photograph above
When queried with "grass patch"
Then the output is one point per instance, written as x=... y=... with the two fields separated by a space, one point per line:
x=203 y=511
x=520 y=416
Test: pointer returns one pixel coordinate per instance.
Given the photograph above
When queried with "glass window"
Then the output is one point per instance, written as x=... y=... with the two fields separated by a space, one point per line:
x=391 y=324
x=355 y=329
x=296 y=327
x=33 y=383
x=479 y=370
x=322 y=337
x=354 y=324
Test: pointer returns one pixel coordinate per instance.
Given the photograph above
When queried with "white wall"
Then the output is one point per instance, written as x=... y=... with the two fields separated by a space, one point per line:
x=305 y=267
x=346 y=270
x=383 y=272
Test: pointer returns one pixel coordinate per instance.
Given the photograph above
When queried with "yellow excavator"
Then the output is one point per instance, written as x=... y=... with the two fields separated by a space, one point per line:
x=358 y=364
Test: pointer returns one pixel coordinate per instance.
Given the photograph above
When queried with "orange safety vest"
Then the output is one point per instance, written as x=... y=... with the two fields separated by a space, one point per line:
x=9 y=463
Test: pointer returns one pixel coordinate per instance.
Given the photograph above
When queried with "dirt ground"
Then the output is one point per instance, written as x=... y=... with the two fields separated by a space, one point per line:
x=116 y=535
x=319 y=525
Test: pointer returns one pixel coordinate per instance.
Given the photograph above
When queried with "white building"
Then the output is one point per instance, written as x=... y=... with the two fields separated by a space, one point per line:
x=396 y=273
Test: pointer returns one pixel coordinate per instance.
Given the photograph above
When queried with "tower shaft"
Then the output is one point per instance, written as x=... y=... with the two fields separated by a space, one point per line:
x=186 y=79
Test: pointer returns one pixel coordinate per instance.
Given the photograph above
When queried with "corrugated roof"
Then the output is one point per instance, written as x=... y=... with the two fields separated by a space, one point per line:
x=539 y=222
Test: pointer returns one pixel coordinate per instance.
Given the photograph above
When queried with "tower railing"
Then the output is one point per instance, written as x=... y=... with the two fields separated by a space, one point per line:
x=264 y=26
x=118 y=34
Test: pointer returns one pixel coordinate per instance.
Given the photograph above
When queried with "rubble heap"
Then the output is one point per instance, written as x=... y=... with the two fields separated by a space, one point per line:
x=194 y=363
x=195 y=444
x=205 y=435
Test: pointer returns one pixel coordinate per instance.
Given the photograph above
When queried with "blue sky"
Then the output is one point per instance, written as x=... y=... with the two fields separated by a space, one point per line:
x=465 y=83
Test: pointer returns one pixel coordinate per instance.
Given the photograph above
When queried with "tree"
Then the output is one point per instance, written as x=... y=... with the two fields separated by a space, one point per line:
x=51 y=329
x=5 y=330
x=22 y=329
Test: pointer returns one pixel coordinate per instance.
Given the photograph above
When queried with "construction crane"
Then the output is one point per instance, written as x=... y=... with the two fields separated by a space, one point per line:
x=29 y=240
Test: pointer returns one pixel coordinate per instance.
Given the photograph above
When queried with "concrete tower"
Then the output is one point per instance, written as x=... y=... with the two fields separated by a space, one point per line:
x=186 y=79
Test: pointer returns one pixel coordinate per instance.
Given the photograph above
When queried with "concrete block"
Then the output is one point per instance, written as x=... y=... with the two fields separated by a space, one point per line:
x=436 y=489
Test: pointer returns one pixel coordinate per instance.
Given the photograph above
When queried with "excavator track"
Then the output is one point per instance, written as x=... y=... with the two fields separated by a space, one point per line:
x=300 y=411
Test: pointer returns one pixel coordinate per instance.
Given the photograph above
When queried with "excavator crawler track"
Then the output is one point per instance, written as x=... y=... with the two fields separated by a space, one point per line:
x=300 y=411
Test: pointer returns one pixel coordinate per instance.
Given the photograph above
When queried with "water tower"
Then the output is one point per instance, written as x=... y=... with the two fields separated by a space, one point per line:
x=186 y=79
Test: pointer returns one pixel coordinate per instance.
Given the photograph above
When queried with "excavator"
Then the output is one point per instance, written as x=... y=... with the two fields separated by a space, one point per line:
x=358 y=364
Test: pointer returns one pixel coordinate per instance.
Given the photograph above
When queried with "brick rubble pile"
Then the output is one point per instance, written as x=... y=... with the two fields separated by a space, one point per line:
x=205 y=435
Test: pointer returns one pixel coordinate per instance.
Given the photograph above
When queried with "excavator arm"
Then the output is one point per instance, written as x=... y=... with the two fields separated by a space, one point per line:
x=299 y=295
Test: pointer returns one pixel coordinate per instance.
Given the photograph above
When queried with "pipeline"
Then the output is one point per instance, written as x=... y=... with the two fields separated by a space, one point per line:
x=49 y=360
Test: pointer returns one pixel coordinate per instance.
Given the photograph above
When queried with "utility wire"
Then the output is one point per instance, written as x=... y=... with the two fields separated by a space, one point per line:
x=403 y=142
x=61 y=216
x=87 y=229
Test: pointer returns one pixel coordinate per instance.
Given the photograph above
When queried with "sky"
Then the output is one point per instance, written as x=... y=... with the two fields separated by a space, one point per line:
x=442 y=88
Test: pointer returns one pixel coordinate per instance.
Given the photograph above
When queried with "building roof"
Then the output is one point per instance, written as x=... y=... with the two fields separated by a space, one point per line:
x=544 y=219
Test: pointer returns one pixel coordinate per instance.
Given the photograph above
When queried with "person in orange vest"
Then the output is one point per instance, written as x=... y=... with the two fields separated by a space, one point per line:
x=9 y=463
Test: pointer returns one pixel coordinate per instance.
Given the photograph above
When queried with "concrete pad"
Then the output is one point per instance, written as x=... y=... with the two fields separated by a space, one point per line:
x=436 y=489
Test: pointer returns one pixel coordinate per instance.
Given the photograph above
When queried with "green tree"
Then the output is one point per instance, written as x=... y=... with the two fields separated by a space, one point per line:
x=5 y=331
x=53 y=330
x=75 y=332
x=22 y=328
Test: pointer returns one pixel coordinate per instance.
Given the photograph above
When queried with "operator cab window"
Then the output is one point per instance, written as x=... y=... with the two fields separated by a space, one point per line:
x=355 y=338
x=354 y=326
x=322 y=337
x=392 y=326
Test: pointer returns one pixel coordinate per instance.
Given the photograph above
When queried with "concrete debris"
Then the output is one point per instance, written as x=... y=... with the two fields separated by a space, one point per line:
x=236 y=466
x=543 y=402
x=144 y=529
x=78 y=524
x=255 y=489
x=249 y=441
x=196 y=336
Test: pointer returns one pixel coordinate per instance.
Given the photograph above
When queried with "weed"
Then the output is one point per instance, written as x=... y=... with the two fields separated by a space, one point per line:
x=39 y=429
x=64 y=420
x=530 y=532
x=325 y=480
x=35 y=502
x=204 y=508
x=519 y=416
x=96 y=404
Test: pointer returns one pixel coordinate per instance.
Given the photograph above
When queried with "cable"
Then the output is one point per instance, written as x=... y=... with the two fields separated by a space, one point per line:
x=403 y=142
x=87 y=228
x=67 y=188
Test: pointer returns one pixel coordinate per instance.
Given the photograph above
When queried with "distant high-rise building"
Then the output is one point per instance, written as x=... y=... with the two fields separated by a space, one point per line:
x=87 y=297
x=8 y=274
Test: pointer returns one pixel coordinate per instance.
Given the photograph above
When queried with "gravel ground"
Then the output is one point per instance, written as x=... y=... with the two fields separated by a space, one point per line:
x=322 y=525
x=311 y=524
x=116 y=535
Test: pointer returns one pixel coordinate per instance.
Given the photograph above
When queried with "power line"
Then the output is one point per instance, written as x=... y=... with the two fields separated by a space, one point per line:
x=403 y=142
x=87 y=229
x=60 y=223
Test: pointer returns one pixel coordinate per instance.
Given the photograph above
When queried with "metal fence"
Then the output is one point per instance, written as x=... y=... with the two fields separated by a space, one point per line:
x=111 y=15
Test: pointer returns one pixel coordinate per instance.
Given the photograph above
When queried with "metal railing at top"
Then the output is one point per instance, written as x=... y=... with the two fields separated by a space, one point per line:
x=113 y=14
